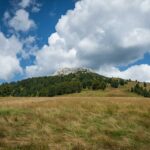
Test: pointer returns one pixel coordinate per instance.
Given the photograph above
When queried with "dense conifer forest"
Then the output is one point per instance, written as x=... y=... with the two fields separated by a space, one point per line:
x=49 y=86
x=58 y=85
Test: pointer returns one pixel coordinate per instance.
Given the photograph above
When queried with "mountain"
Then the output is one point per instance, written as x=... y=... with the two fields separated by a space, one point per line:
x=68 y=81
x=66 y=71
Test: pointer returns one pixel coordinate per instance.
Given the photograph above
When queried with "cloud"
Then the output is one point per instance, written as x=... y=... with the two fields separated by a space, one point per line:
x=36 y=7
x=29 y=47
x=50 y=58
x=25 y=3
x=9 y=63
x=6 y=15
x=137 y=72
x=33 y=3
x=97 y=33
x=21 y=21
x=17 y=46
x=29 y=40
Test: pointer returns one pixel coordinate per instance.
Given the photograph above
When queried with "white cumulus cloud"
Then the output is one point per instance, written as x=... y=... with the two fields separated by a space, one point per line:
x=21 y=21
x=9 y=63
x=50 y=58
x=25 y=3
x=35 y=6
x=136 y=72
x=97 y=33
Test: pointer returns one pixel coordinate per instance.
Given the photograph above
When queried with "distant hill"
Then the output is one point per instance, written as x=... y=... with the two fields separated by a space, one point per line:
x=69 y=81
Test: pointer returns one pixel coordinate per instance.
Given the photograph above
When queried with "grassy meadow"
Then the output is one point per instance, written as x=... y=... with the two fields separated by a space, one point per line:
x=75 y=123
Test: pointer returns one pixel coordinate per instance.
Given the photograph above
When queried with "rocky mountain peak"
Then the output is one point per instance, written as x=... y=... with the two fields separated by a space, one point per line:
x=66 y=71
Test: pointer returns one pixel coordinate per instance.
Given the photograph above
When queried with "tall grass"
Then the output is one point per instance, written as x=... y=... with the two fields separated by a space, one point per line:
x=67 y=123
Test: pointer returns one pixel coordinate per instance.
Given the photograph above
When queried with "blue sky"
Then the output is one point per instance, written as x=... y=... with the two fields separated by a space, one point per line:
x=50 y=10
x=46 y=19
x=39 y=37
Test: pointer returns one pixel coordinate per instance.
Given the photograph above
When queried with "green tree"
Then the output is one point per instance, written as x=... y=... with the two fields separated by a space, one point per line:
x=145 y=85
x=114 y=83
x=103 y=85
x=95 y=85
x=122 y=82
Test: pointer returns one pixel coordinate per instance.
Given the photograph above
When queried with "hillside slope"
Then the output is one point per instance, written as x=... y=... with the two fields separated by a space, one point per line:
x=82 y=82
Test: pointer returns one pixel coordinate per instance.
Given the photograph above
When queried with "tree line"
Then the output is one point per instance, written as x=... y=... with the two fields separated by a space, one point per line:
x=141 y=90
x=59 y=85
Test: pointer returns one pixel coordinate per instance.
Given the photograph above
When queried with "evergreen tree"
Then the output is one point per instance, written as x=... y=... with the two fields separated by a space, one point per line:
x=145 y=85
x=114 y=83
x=122 y=82
x=95 y=85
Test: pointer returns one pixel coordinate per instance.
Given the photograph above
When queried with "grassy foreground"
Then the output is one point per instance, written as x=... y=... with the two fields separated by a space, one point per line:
x=75 y=123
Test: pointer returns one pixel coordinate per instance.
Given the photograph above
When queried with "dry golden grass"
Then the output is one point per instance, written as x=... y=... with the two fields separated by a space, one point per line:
x=75 y=123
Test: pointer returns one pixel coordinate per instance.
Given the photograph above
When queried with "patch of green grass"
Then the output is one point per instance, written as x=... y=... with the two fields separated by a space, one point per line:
x=12 y=111
x=117 y=133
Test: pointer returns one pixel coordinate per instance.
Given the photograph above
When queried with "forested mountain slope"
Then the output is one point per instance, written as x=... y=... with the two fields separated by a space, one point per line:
x=81 y=80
